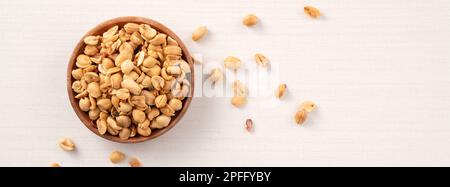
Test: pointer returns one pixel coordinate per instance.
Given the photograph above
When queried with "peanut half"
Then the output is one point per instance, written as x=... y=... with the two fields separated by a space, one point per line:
x=66 y=144
x=281 y=90
x=312 y=11
x=250 y=20
x=199 y=33
x=116 y=157
x=129 y=75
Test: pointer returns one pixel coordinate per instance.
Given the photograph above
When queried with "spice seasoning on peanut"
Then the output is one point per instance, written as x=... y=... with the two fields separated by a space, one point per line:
x=281 y=90
x=123 y=79
x=250 y=20
x=116 y=157
x=199 y=33
x=66 y=144
x=312 y=11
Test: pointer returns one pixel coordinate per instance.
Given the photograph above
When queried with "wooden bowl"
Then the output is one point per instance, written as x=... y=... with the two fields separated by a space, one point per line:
x=98 y=30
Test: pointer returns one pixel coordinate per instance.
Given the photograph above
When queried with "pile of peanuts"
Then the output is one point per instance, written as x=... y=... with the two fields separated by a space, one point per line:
x=131 y=79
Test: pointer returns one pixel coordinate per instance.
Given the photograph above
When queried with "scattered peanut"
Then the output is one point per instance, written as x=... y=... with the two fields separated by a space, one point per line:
x=116 y=157
x=232 y=63
x=312 y=11
x=281 y=91
x=199 y=33
x=249 y=125
x=300 y=116
x=250 y=20
x=261 y=60
x=134 y=162
x=55 y=165
x=66 y=144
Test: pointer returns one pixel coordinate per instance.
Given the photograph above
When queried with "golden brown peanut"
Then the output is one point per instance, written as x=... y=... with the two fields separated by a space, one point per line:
x=232 y=63
x=127 y=66
x=149 y=97
x=102 y=126
x=55 y=165
x=157 y=82
x=131 y=27
x=138 y=116
x=312 y=11
x=308 y=106
x=113 y=124
x=93 y=89
x=83 y=61
x=153 y=113
x=125 y=107
x=124 y=71
x=167 y=110
x=104 y=104
x=66 y=144
x=199 y=33
x=123 y=94
x=216 y=75
x=163 y=120
x=91 y=77
x=147 y=32
x=123 y=121
x=158 y=39
x=144 y=132
x=300 y=116
x=281 y=91
x=238 y=101
x=250 y=20
x=161 y=101
x=239 y=88
x=91 y=40
x=116 y=157
x=116 y=80
x=132 y=86
x=124 y=134
x=94 y=113
x=249 y=125
x=175 y=104
x=77 y=74
x=77 y=87
x=134 y=162
x=90 y=50
x=138 y=101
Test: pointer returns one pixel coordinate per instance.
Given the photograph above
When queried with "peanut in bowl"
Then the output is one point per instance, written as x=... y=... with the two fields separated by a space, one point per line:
x=130 y=79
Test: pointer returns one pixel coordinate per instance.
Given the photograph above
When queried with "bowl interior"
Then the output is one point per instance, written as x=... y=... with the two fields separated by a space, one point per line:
x=98 y=30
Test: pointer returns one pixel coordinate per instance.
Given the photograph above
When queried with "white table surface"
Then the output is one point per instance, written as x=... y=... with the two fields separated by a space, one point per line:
x=379 y=71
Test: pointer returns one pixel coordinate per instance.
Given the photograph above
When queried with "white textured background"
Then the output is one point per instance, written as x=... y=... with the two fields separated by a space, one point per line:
x=379 y=71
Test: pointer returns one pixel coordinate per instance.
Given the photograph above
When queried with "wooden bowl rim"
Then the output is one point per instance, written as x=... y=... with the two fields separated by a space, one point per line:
x=83 y=116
